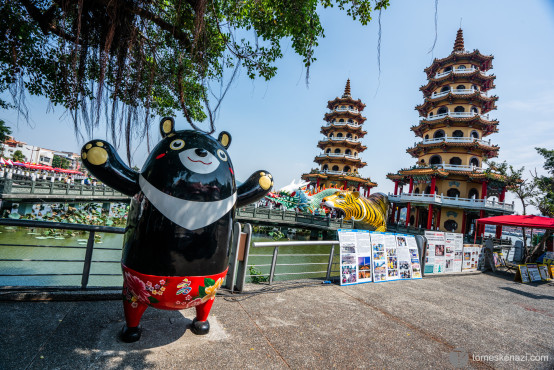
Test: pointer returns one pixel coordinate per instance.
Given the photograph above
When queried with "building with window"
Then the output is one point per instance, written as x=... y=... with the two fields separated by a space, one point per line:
x=448 y=187
x=341 y=146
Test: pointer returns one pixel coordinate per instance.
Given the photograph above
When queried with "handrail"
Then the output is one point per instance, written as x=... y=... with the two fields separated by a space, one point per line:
x=341 y=139
x=340 y=155
x=351 y=124
x=455 y=115
x=455 y=201
x=353 y=110
x=458 y=92
x=61 y=225
x=52 y=188
x=458 y=70
x=452 y=139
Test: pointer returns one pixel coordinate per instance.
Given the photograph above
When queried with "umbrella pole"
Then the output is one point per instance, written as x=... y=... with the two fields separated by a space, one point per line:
x=475 y=232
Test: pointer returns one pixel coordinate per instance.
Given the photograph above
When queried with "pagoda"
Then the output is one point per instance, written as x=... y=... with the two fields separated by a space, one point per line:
x=448 y=188
x=341 y=146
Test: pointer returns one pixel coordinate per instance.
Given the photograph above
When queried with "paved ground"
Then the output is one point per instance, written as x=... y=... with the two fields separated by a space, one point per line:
x=431 y=323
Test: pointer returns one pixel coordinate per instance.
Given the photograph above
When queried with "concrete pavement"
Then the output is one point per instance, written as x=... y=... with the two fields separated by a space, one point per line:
x=438 y=322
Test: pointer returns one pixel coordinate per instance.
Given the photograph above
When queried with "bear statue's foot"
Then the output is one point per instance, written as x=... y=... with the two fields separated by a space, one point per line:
x=130 y=335
x=200 y=327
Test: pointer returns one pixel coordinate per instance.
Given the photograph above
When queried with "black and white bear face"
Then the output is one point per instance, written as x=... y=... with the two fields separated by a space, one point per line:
x=190 y=165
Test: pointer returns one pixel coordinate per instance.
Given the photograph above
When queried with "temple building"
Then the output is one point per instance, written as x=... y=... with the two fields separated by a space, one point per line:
x=448 y=187
x=341 y=146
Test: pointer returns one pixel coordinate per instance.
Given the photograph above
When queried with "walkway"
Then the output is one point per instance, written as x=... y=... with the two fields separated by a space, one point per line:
x=404 y=324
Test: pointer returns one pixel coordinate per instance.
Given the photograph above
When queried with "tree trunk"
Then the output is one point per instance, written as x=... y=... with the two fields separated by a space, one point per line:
x=540 y=248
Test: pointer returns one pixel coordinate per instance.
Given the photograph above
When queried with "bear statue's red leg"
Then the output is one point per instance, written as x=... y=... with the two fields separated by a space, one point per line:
x=200 y=324
x=131 y=331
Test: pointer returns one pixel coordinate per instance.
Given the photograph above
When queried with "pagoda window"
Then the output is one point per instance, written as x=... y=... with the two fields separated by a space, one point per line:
x=453 y=193
x=416 y=191
x=350 y=121
x=348 y=152
x=427 y=137
x=430 y=114
x=442 y=110
x=438 y=134
x=448 y=69
x=349 y=136
x=451 y=225
x=328 y=151
x=341 y=120
x=474 y=110
x=459 y=109
x=335 y=168
x=355 y=154
x=475 y=87
x=337 y=151
x=457 y=161
x=428 y=189
x=461 y=87
x=474 y=134
x=346 y=169
x=339 y=134
x=325 y=168
x=458 y=133
x=461 y=67
x=331 y=135
x=355 y=137
x=474 y=162
x=351 y=107
x=436 y=159
x=445 y=88
x=473 y=193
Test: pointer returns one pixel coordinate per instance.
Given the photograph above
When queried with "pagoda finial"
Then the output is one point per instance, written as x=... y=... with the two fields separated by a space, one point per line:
x=459 y=43
x=347 y=90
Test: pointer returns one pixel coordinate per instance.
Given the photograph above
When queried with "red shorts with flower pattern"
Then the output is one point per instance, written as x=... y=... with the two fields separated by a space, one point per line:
x=169 y=292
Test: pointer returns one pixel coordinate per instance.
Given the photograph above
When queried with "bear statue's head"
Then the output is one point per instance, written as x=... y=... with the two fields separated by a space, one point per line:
x=189 y=165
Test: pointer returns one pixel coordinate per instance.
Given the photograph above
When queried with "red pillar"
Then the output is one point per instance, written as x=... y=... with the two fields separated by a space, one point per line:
x=501 y=200
x=430 y=215
x=345 y=184
x=396 y=187
x=368 y=191
x=358 y=187
x=317 y=184
x=393 y=213
x=411 y=185
x=482 y=212
x=408 y=207
x=464 y=220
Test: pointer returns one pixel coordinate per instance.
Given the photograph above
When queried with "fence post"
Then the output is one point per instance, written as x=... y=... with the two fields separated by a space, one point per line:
x=273 y=263
x=52 y=187
x=88 y=260
x=331 y=255
x=33 y=184
x=242 y=265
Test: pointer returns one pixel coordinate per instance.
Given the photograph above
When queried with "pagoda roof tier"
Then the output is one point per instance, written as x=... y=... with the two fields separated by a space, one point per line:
x=344 y=142
x=476 y=121
x=487 y=150
x=339 y=158
x=346 y=101
x=338 y=176
x=457 y=56
x=486 y=82
x=486 y=103
x=348 y=127
x=345 y=113
x=423 y=173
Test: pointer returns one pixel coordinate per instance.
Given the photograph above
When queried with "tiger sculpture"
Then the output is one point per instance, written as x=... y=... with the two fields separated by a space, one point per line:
x=372 y=210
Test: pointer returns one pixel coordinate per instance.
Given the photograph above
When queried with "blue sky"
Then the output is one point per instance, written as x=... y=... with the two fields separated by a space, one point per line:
x=275 y=125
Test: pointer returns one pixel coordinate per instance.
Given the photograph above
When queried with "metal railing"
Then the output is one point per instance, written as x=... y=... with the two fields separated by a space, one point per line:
x=456 y=115
x=48 y=188
x=338 y=124
x=457 y=92
x=338 y=155
x=274 y=264
x=457 y=71
x=452 y=139
x=279 y=216
x=341 y=139
x=353 y=110
x=18 y=262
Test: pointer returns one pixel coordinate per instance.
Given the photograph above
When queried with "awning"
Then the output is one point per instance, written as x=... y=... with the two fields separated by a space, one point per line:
x=532 y=222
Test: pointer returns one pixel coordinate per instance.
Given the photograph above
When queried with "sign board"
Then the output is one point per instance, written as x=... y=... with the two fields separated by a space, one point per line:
x=533 y=271
x=543 y=270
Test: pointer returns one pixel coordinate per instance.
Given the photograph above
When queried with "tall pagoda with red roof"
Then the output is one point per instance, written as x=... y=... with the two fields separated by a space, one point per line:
x=449 y=187
x=341 y=146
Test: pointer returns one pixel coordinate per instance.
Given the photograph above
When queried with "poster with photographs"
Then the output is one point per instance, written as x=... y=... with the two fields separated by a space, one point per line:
x=392 y=257
x=449 y=240
x=458 y=252
x=414 y=256
x=363 y=246
x=404 y=259
x=471 y=254
x=533 y=271
x=434 y=255
x=348 y=260
x=379 y=257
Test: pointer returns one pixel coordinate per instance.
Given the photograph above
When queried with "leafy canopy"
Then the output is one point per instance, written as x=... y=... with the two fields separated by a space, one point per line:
x=130 y=60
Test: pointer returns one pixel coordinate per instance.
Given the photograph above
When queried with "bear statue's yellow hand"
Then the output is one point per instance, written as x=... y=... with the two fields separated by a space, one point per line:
x=94 y=153
x=265 y=181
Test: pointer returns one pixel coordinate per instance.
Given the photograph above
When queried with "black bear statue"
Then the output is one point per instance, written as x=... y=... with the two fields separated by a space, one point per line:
x=177 y=239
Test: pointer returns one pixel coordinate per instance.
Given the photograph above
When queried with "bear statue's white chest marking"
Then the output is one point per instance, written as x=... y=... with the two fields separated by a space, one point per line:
x=188 y=214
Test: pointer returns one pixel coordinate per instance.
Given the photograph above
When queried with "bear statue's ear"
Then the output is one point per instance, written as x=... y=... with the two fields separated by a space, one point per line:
x=167 y=126
x=225 y=139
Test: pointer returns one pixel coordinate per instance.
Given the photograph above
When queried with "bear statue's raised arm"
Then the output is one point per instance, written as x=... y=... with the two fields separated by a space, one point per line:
x=102 y=160
x=254 y=188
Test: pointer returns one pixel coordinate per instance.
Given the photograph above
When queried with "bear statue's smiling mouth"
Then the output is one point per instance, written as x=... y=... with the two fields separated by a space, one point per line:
x=189 y=214
x=192 y=160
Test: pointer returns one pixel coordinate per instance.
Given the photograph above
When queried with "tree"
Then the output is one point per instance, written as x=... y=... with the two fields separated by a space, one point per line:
x=18 y=156
x=60 y=162
x=4 y=132
x=149 y=58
